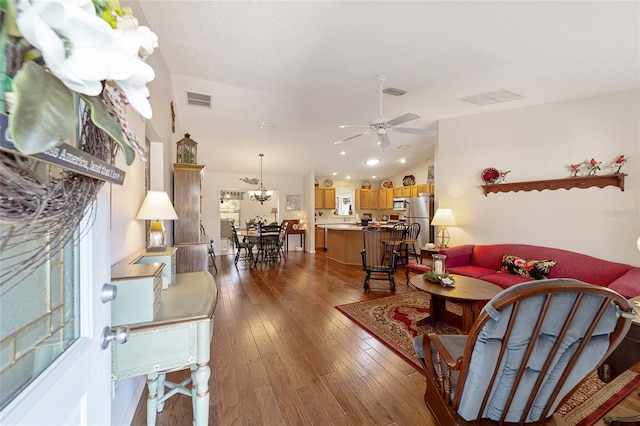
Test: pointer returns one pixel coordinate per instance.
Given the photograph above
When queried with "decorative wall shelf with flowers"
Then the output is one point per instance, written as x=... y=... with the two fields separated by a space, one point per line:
x=616 y=179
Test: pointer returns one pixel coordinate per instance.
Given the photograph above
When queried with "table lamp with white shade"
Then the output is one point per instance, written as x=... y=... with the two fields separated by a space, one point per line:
x=443 y=218
x=156 y=207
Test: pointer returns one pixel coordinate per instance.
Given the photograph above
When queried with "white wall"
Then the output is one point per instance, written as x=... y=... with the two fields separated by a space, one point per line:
x=538 y=143
x=127 y=233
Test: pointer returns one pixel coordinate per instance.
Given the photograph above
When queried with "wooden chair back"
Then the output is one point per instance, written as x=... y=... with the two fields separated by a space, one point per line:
x=377 y=262
x=531 y=346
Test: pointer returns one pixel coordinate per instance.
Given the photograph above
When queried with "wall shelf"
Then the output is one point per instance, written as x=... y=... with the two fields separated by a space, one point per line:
x=616 y=179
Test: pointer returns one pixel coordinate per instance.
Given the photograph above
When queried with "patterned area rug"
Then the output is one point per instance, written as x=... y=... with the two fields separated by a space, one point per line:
x=393 y=321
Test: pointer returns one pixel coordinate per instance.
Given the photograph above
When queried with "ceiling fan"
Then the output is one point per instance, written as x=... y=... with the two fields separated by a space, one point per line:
x=382 y=125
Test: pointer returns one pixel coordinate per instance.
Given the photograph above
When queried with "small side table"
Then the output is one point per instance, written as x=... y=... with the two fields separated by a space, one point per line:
x=300 y=232
x=427 y=253
x=626 y=354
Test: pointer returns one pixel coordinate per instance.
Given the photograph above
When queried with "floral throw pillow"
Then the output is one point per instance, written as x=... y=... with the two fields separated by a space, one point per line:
x=536 y=269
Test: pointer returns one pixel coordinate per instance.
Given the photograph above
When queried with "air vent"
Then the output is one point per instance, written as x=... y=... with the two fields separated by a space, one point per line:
x=199 y=99
x=267 y=125
x=492 y=97
x=393 y=91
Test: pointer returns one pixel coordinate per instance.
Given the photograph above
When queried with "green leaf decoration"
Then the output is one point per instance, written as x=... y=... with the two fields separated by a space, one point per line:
x=101 y=118
x=43 y=116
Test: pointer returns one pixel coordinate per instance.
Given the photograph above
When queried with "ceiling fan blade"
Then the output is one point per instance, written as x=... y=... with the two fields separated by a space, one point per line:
x=423 y=132
x=356 y=126
x=351 y=137
x=383 y=140
x=402 y=119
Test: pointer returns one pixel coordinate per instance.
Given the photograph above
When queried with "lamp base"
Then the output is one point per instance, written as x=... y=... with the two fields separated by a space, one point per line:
x=156 y=248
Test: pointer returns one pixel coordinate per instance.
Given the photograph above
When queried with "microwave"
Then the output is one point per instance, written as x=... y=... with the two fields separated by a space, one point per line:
x=400 y=203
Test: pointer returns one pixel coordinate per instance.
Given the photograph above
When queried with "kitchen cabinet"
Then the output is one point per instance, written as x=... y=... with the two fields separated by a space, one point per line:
x=325 y=198
x=402 y=192
x=367 y=199
x=425 y=188
x=319 y=238
x=385 y=199
x=410 y=191
x=192 y=247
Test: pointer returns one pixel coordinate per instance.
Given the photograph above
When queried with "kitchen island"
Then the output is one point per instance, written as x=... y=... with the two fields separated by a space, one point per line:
x=344 y=242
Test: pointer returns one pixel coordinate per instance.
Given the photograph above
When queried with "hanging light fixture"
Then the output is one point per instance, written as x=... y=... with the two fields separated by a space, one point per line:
x=262 y=194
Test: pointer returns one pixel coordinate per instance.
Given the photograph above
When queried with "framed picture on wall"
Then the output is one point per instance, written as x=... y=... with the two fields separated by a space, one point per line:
x=431 y=175
x=294 y=202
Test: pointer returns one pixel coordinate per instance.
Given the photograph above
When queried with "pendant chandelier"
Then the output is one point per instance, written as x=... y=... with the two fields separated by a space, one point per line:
x=262 y=194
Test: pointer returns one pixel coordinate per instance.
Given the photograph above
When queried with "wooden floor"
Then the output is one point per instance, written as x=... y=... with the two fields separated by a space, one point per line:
x=283 y=355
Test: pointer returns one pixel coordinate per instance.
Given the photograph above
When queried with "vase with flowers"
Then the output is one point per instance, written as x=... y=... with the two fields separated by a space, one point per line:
x=260 y=221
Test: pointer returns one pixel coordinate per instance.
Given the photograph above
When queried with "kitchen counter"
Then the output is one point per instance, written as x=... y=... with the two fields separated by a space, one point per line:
x=344 y=242
x=351 y=226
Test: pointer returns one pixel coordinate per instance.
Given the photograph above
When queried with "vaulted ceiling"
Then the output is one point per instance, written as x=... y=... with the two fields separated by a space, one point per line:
x=282 y=76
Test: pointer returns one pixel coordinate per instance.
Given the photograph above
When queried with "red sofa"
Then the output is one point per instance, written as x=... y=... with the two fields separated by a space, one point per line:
x=484 y=262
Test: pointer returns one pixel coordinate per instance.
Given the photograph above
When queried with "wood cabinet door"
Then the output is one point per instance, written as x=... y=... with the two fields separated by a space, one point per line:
x=368 y=199
x=319 y=198
x=319 y=238
x=329 y=198
x=425 y=188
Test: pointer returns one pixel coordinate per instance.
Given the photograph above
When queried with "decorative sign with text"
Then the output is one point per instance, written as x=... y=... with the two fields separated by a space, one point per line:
x=67 y=157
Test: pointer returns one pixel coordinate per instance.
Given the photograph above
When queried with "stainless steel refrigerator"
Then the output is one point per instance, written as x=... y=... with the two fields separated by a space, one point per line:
x=420 y=210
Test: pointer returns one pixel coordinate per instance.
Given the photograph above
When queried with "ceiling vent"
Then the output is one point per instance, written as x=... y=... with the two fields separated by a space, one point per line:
x=267 y=125
x=393 y=91
x=492 y=97
x=199 y=99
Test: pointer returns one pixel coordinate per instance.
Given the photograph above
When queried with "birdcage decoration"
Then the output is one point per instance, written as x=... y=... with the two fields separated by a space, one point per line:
x=187 y=150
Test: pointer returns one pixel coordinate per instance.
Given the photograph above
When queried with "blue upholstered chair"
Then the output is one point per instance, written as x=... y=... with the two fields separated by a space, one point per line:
x=531 y=345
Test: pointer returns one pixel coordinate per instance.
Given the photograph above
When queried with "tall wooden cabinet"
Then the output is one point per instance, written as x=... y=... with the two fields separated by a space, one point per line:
x=192 y=246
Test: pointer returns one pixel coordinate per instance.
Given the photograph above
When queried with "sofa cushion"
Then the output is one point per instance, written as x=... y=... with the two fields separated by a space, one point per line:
x=536 y=269
x=503 y=280
x=470 y=270
x=627 y=285
x=458 y=256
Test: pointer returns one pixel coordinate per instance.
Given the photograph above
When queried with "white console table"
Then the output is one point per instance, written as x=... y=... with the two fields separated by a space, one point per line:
x=178 y=337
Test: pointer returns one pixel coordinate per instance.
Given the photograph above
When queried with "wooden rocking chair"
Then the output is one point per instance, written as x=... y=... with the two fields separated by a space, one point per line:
x=530 y=347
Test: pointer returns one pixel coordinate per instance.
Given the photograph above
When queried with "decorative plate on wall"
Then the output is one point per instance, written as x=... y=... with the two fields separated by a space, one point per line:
x=366 y=185
x=409 y=180
x=328 y=183
x=489 y=175
x=385 y=184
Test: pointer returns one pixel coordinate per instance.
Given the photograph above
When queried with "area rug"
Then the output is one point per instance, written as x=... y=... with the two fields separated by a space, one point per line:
x=393 y=321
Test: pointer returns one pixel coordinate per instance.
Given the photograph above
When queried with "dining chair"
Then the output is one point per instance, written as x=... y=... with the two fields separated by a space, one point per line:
x=409 y=241
x=284 y=226
x=393 y=242
x=531 y=346
x=267 y=245
x=245 y=245
x=212 y=256
x=375 y=261
x=210 y=250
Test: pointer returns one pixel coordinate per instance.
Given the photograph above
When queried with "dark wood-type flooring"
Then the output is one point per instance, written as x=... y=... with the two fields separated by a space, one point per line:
x=283 y=355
